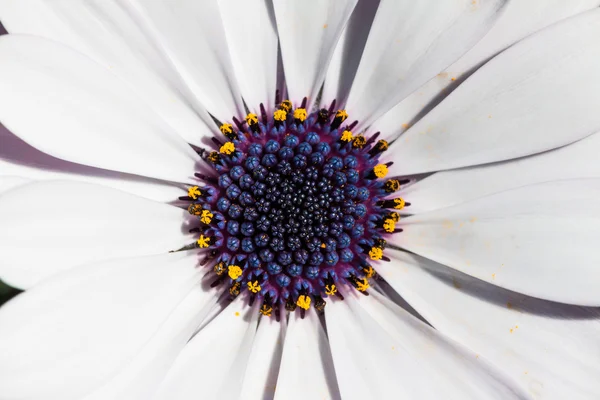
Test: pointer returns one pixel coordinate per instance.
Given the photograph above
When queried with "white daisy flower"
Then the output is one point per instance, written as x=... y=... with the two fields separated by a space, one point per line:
x=337 y=199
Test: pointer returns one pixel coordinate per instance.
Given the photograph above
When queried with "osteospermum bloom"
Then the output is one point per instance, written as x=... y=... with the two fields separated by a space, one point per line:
x=355 y=224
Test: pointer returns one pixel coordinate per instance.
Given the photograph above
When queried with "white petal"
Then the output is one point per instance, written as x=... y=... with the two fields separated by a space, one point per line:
x=76 y=331
x=212 y=364
x=20 y=159
x=519 y=19
x=141 y=377
x=447 y=188
x=252 y=38
x=551 y=349
x=348 y=52
x=382 y=352
x=306 y=366
x=523 y=102
x=539 y=240
x=50 y=226
x=410 y=43
x=260 y=378
x=106 y=31
x=66 y=105
x=222 y=303
x=191 y=34
x=308 y=33
x=8 y=182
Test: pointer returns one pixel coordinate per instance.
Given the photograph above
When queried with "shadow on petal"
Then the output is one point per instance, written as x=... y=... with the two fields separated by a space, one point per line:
x=487 y=292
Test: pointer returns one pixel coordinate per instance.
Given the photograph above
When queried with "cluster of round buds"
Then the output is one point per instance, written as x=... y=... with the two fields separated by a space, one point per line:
x=296 y=209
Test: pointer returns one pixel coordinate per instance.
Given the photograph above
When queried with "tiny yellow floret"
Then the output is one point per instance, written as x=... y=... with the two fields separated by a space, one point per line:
x=389 y=225
x=393 y=215
x=251 y=119
x=226 y=128
x=382 y=145
x=203 y=241
x=280 y=115
x=206 y=217
x=266 y=310
x=380 y=170
x=362 y=284
x=303 y=302
x=330 y=290
x=234 y=290
x=214 y=157
x=375 y=253
x=399 y=203
x=286 y=105
x=194 y=192
x=346 y=136
x=369 y=271
x=300 y=114
x=234 y=272
x=195 y=209
x=219 y=268
x=342 y=115
x=254 y=287
x=320 y=304
x=359 y=142
x=227 y=148
x=392 y=185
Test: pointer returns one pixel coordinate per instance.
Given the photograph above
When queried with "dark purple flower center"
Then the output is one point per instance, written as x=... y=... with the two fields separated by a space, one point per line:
x=295 y=209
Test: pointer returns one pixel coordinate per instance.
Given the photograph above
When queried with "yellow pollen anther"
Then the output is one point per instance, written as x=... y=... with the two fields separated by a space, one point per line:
x=203 y=241
x=213 y=157
x=227 y=148
x=234 y=272
x=392 y=185
x=362 y=284
x=254 y=287
x=382 y=145
x=369 y=271
x=379 y=242
x=320 y=304
x=219 y=268
x=286 y=105
x=346 y=136
x=359 y=142
x=399 y=203
x=380 y=170
x=394 y=215
x=323 y=245
x=194 y=192
x=375 y=253
x=389 y=225
x=300 y=114
x=303 y=302
x=266 y=310
x=342 y=115
x=195 y=209
x=206 y=217
x=280 y=115
x=251 y=119
x=330 y=290
x=234 y=290
x=226 y=128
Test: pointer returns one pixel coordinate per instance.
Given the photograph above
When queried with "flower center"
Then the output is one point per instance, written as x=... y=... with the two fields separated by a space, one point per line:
x=297 y=212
